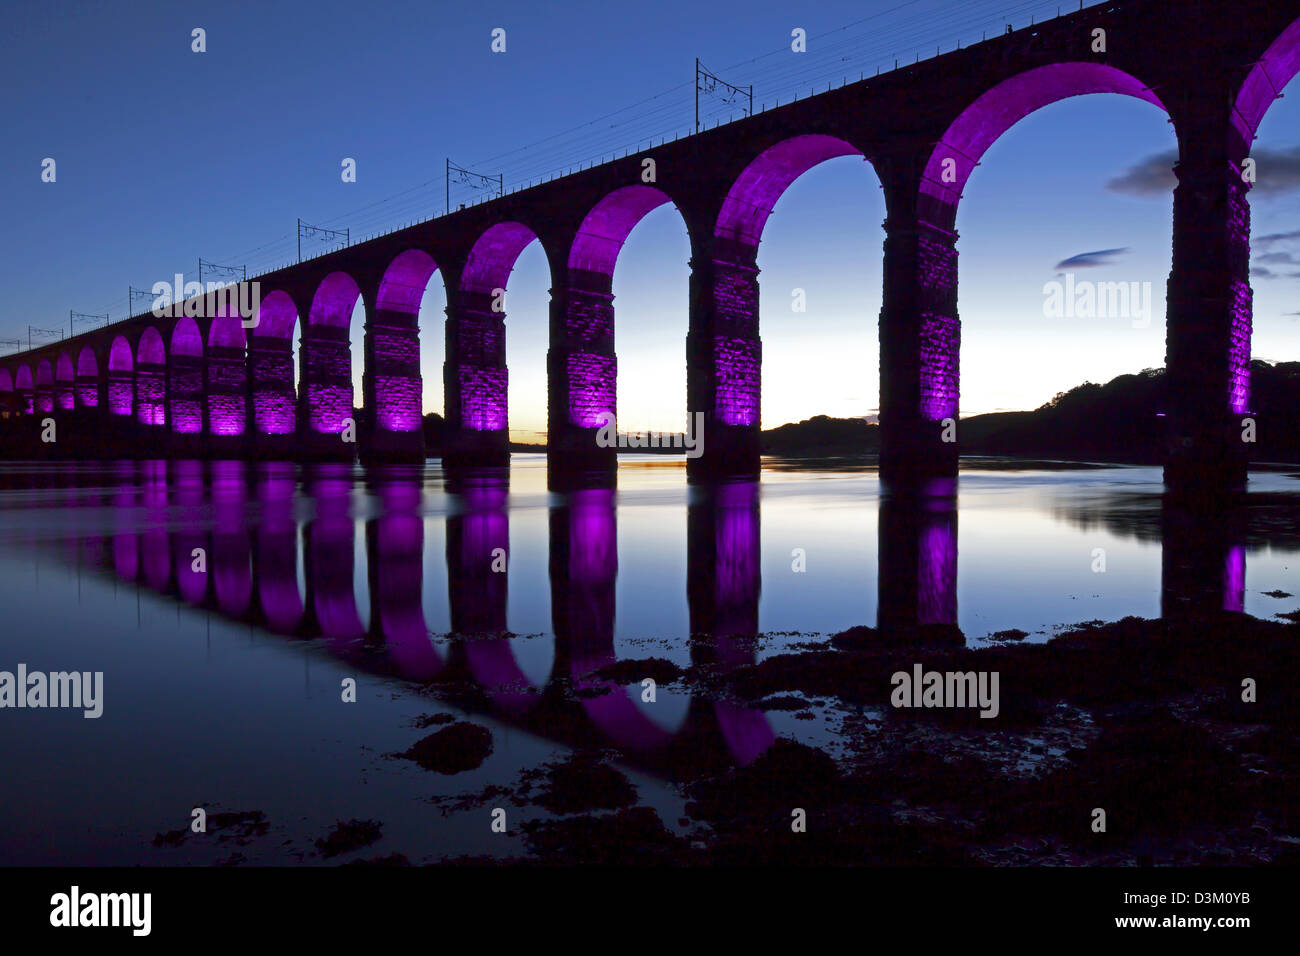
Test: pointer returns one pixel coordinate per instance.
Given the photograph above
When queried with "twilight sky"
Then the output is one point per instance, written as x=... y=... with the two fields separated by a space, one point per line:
x=164 y=155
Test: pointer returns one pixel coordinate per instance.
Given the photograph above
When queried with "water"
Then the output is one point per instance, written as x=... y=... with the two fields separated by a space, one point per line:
x=226 y=604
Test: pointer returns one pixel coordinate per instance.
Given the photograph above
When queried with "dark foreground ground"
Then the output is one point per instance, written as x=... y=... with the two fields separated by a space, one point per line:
x=1143 y=719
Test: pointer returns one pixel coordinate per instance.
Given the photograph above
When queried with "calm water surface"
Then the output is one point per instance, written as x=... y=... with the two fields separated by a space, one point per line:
x=226 y=604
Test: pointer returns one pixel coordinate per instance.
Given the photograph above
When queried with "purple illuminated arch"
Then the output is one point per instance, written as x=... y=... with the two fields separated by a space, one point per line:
x=87 y=363
x=24 y=377
x=1269 y=76
x=493 y=256
x=121 y=382
x=151 y=378
x=276 y=316
x=65 y=375
x=997 y=110
x=405 y=280
x=44 y=386
x=151 y=351
x=335 y=298
x=606 y=228
x=87 y=378
x=227 y=330
x=23 y=383
x=754 y=193
x=119 y=356
x=185 y=388
x=6 y=380
x=186 y=338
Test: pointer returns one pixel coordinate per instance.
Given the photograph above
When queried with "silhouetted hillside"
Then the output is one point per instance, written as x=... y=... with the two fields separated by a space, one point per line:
x=1119 y=421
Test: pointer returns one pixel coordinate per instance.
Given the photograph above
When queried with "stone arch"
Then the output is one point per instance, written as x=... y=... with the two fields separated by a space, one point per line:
x=393 y=384
x=65 y=374
x=87 y=378
x=325 y=357
x=24 y=385
x=226 y=371
x=121 y=378
x=270 y=365
x=583 y=381
x=1263 y=85
x=44 y=386
x=754 y=194
x=185 y=378
x=995 y=111
x=151 y=378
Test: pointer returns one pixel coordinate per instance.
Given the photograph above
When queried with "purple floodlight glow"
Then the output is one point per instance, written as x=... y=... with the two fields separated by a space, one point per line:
x=44 y=386
x=151 y=349
x=607 y=226
x=483 y=397
x=23 y=385
x=1270 y=74
x=405 y=281
x=1234 y=579
x=276 y=316
x=227 y=332
x=750 y=200
x=186 y=339
x=24 y=377
x=270 y=362
x=87 y=378
x=119 y=356
x=1000 y=108
x=6 y=381
x=65 y=396
x=335 y=299
x=494 y=255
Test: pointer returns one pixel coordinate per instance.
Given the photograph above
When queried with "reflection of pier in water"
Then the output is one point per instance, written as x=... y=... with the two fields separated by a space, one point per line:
x=253 y=524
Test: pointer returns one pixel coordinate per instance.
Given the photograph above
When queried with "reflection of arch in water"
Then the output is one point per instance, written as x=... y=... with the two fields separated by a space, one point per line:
x=275 y=554
x=189 y=537
x=395 y=570
x=584 y=570
x=229 y=560
x=724 y=582
x=1202 y=560
x=155 y=546
x=918 y=555
x=478 y=548
x=329 y=554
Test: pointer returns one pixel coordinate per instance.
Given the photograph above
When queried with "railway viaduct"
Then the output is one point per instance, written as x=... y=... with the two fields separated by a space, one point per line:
x=209 y=386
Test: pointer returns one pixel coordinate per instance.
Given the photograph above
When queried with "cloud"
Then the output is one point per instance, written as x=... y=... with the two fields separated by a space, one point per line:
x=1278 y=258
x=1153 y=176
x=1277 y=171
x=1091 y=260
x=1276 y=237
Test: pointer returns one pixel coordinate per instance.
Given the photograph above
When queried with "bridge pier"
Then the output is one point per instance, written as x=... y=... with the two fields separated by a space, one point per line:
x=185 y=405
x=474 y=383
x=272 y=409
x=724 y=357
x=920 y=333
x=392 y=388
x=582 y=376
x=1207 y=350
x=325 y=395
x=226 y=384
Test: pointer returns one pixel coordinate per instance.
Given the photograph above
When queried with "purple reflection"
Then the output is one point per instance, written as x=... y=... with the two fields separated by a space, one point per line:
x=395 y=568
x=189 y=541
x=154 y=543
x=231 y=565
x=917 y=575
x=276 y=553
x=1234 y=579
x=329 y=555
